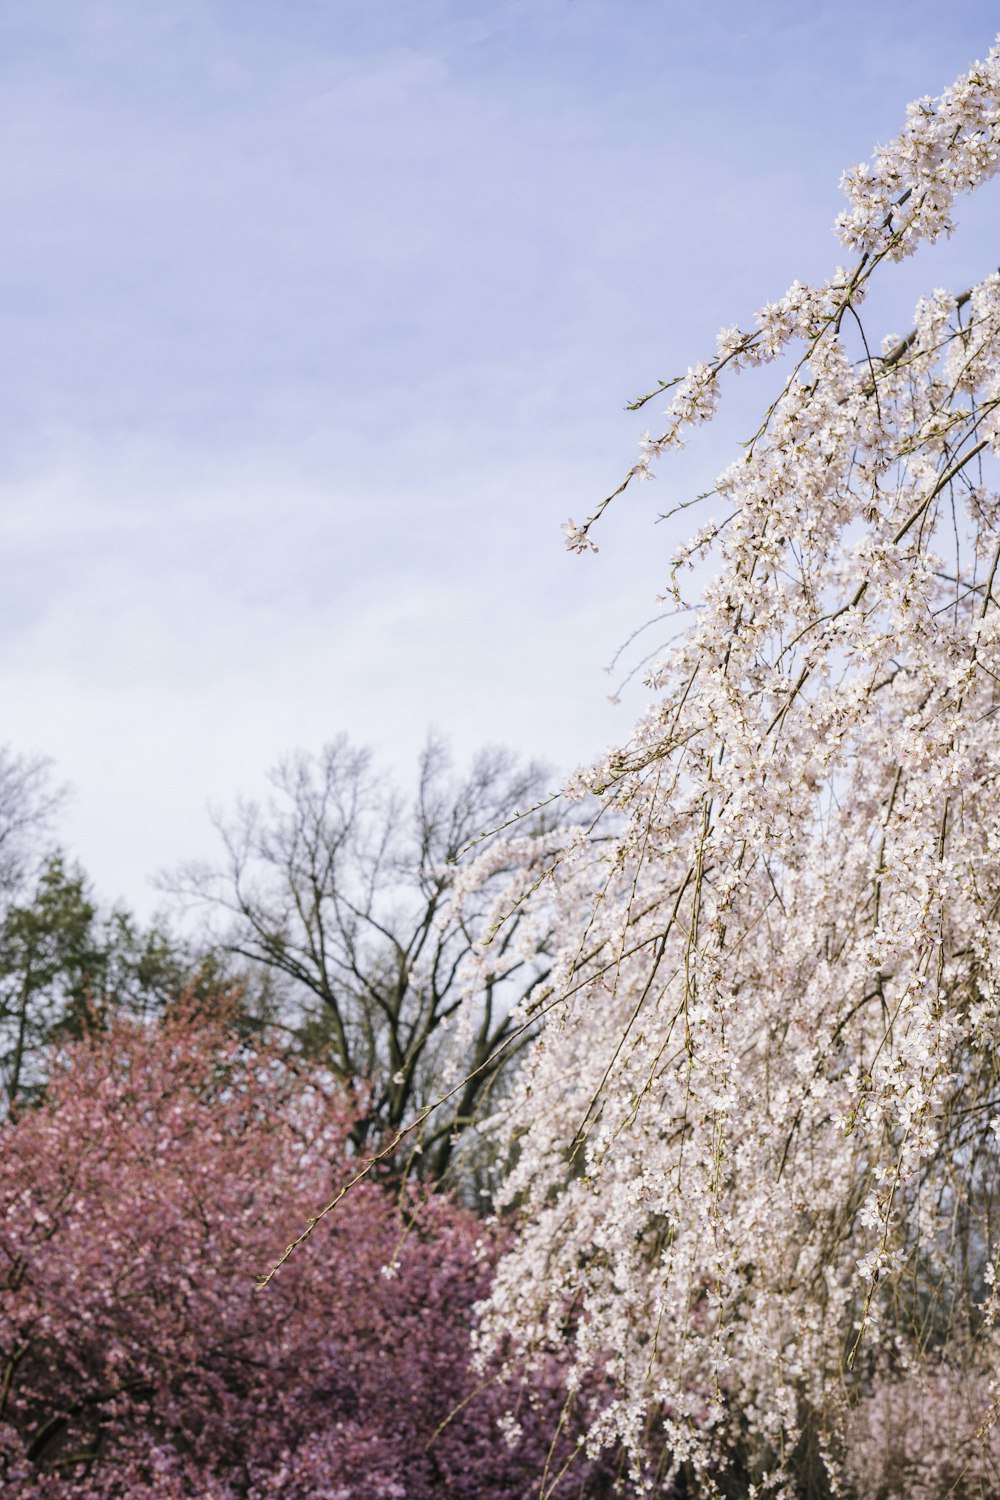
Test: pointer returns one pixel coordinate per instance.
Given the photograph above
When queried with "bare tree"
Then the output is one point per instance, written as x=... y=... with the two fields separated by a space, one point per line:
x=27 y=803
x=342 y=891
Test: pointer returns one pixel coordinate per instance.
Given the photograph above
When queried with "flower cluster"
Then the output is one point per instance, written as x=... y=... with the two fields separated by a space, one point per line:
x=753 y=1143
x=138 y=1202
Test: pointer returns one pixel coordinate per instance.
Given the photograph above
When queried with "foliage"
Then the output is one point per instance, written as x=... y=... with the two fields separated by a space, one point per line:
x=136 y=1359
x=343 y=892
x=65 y=963
x=49 y=960
x=65 y=966
x=758 y=1138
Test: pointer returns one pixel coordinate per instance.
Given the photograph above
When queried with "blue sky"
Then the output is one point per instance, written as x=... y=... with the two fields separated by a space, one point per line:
x=318 y=320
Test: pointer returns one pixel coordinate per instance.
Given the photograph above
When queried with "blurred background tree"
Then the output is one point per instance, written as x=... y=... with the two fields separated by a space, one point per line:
x=339 y=892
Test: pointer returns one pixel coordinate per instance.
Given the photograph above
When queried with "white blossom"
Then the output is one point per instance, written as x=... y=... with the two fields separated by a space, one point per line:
x=760 y=1095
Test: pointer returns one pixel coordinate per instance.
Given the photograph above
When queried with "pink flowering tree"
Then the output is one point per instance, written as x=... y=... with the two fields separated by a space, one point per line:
x=139 y=1201
x=757 y=1141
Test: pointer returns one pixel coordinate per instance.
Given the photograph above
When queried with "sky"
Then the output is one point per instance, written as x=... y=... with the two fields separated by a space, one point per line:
x=319 y=318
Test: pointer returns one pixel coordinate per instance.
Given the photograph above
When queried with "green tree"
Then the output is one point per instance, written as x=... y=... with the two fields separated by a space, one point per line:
x=65 y=967
x=49 y=960
x=66 y=963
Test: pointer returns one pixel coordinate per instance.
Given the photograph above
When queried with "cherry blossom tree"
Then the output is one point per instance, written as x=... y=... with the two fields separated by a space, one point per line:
x=757 y=1140
x=137 y=1202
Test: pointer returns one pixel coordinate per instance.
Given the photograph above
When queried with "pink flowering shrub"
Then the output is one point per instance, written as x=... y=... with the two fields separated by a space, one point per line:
x=164 y=1169
x=923 y=1434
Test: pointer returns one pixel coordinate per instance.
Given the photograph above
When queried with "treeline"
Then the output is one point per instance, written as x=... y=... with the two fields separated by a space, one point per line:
x=329 y=919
